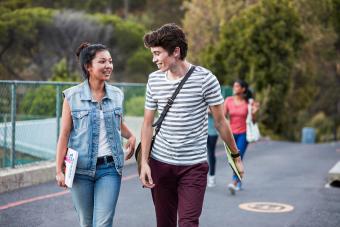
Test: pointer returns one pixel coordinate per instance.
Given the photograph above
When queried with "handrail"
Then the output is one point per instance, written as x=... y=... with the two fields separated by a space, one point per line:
x=32 y=82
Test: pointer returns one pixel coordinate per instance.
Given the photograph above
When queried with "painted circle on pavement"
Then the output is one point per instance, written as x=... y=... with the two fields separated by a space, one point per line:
x=266 y=207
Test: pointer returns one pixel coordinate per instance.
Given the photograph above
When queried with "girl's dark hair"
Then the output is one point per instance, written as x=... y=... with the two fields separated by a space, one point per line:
x=169 y=36
x=86 y=53
x=247 y=93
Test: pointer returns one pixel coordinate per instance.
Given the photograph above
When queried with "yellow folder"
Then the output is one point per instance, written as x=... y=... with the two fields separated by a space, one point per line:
x=231 y=162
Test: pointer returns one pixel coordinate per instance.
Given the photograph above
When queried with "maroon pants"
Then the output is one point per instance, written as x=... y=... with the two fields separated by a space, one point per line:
x=178 y=188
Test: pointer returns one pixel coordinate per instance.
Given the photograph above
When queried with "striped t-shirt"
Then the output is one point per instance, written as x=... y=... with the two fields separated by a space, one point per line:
x=183 y=135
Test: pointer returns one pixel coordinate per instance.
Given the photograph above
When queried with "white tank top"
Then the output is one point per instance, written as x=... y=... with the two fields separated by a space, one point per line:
x=104 y=146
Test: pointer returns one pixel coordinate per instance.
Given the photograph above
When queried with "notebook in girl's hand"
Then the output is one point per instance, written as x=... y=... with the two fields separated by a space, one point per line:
x=70 y=164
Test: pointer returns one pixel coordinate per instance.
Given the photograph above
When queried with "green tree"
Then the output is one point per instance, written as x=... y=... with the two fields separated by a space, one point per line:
x=139 y=66
x=93 y=6
x=336 y=20
x=38 y=102
x=260 y=46
x=210 y=15
x=60 y=73
x=164 y=11
x=125 y=42
x=19 y=32
x=11 y=5
x=315 y=78
x=33 y=40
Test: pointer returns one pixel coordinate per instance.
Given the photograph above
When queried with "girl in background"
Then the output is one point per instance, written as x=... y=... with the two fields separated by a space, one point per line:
x=236 y=109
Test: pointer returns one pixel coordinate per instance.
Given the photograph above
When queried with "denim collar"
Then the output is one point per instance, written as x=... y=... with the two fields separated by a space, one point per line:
x=86 y=94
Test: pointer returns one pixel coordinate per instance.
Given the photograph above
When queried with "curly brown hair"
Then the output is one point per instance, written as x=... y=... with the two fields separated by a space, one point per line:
x=169 y=36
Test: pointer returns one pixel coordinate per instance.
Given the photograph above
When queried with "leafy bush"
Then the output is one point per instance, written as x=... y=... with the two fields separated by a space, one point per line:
x=135 y=106
x=139 y=65
x=38 y=102
x=323 y=126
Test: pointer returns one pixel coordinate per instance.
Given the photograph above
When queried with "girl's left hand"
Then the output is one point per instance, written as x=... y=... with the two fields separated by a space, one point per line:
x=130 y=147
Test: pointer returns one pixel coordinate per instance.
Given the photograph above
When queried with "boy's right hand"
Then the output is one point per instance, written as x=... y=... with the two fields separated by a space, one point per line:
x=145 y=176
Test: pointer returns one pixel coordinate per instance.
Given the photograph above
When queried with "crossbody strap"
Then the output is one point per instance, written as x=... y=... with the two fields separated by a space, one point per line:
x=171 y=101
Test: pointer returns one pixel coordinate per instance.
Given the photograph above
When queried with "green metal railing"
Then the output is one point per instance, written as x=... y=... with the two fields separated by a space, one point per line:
x=30 y=113
x=33 y=102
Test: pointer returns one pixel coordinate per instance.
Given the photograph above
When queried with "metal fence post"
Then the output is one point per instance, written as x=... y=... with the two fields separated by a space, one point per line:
x=13 y=118
x=58 y=109
x=5 y=141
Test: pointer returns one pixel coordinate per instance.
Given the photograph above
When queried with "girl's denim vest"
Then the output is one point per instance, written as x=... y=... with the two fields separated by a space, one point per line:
x=84 y=136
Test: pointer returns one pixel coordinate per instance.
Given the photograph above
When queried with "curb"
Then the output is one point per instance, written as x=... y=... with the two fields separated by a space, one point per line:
x=31 y=174
x=26 y=175
x=334 y=173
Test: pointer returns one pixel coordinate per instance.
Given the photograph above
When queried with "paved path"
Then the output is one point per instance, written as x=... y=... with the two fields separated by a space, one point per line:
x=279 y=172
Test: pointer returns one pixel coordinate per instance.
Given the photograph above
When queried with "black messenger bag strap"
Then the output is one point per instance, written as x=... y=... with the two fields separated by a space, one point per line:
x=162 y=116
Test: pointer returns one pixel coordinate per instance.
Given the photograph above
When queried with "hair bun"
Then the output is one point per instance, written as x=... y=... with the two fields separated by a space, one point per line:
x=81 y=47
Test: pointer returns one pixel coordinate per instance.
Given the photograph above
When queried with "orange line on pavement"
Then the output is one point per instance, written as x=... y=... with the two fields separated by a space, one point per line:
x=30 y=200
x=18 y=203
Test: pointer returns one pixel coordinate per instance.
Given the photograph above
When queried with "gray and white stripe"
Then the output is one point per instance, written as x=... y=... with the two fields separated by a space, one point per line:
x=183 y=135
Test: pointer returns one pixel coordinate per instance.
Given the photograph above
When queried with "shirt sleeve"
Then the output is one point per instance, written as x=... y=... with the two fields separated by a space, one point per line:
x=150 y=102
x=212 y=90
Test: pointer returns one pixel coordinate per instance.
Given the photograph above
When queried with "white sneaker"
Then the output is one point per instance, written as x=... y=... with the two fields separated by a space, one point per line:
x=211 y=181
x=232 y=188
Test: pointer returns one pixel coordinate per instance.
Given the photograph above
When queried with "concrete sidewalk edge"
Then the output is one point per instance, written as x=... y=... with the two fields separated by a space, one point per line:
x=334 y=173
x=31 y=174
x=26 y=175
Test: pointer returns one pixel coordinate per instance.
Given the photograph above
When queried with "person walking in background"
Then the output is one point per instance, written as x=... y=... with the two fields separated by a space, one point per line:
x=92 y=125
x=236 y=109
x=177 y=169
x=211 y=146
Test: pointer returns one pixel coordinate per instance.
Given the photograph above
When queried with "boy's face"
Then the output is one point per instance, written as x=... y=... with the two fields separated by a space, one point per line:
x=162 y=59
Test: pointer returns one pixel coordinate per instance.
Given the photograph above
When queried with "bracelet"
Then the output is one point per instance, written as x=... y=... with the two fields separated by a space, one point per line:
x=235 y=155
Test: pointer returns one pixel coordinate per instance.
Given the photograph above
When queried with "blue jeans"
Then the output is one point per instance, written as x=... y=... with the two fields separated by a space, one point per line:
x=241 y=142
x=95 y=198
